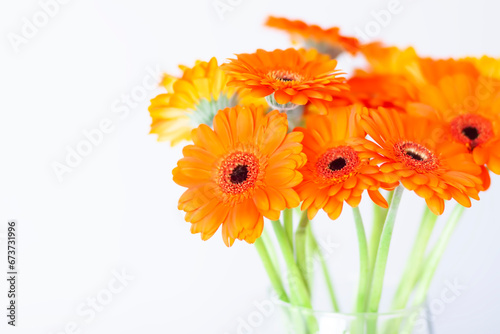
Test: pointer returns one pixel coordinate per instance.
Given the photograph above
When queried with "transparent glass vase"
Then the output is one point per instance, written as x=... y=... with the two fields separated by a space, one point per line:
x=298 y=320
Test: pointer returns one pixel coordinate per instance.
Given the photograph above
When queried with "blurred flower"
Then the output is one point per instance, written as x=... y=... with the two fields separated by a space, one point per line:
x=328 y=41
x=243 y=169
x=456 y=92
x=488 y=66
x=468 y=103
x=393 y=61
x=338 y=169
x=420 y=153
x=292 y=76
x=192 y=100
x=380 y=90
x=371 y=90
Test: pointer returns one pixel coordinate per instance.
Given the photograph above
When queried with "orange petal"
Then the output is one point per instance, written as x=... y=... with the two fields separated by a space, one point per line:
x=261 y=200
x=485 y=178
x=261 y=92
x=460 y=197
x=353 y=201
x=480 y=155
x=424 y=191
x=333 y=208
x=436 y=205
x=378 y=199
x=281 y=97
x=494 y=164
x=276 y=200
x=300 y=99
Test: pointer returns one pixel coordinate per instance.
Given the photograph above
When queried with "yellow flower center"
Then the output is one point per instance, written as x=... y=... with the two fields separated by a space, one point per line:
x=285 y=76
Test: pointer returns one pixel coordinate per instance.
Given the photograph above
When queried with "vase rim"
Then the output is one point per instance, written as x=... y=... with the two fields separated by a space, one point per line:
x=396 y=313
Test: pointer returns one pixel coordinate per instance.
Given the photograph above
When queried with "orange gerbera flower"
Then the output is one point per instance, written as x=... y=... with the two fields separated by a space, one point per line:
x=328 y=41
x=418 y=151
x=192 y=100
x=243 y=169
x=291 y=76
x=338 y=169
x=468 y=103
x=452 y=91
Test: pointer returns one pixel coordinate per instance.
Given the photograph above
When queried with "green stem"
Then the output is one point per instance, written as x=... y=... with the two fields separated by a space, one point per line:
x=288 y=223
x=298 y=289
x=297 y=284
x=380 y=214
x=436 y=254
x=300 y=248
x=326 y=273
x=271 y=270
x=414 y=263
x=310 y=258
x=383 y=253
x=364 y=269
x=271 y=250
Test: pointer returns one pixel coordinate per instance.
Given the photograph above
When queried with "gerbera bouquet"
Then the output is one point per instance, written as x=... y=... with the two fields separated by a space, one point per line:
x=283 y=134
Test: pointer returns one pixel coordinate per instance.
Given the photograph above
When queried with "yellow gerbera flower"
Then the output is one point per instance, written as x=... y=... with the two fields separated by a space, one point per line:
x=393 y=61
x=193 y=99
x=487 y=66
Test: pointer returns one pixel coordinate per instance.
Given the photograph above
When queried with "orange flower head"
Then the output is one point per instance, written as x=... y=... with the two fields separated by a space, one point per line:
x=463 y=93
x=239 y=172
x=419 y=152
x=338 y=168
x=287 y=77
x=458 y=95
x=328 y=41
x=193 y=99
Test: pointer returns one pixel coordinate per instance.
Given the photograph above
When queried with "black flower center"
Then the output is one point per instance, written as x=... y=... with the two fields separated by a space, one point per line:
x=414 y=155
x=337 y=164
x=239 y=174
x=470 y=132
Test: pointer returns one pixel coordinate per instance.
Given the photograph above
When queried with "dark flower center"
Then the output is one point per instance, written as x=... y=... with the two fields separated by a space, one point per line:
x=414 y=155
x=337 y=164
x=285 y=79
x=470 y=132
x=239 y=174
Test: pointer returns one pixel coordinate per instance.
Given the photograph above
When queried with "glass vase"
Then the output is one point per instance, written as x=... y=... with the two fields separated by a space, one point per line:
x=298 y=320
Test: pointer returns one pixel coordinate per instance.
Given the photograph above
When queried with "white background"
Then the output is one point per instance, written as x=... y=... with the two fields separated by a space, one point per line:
x=117 y=209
